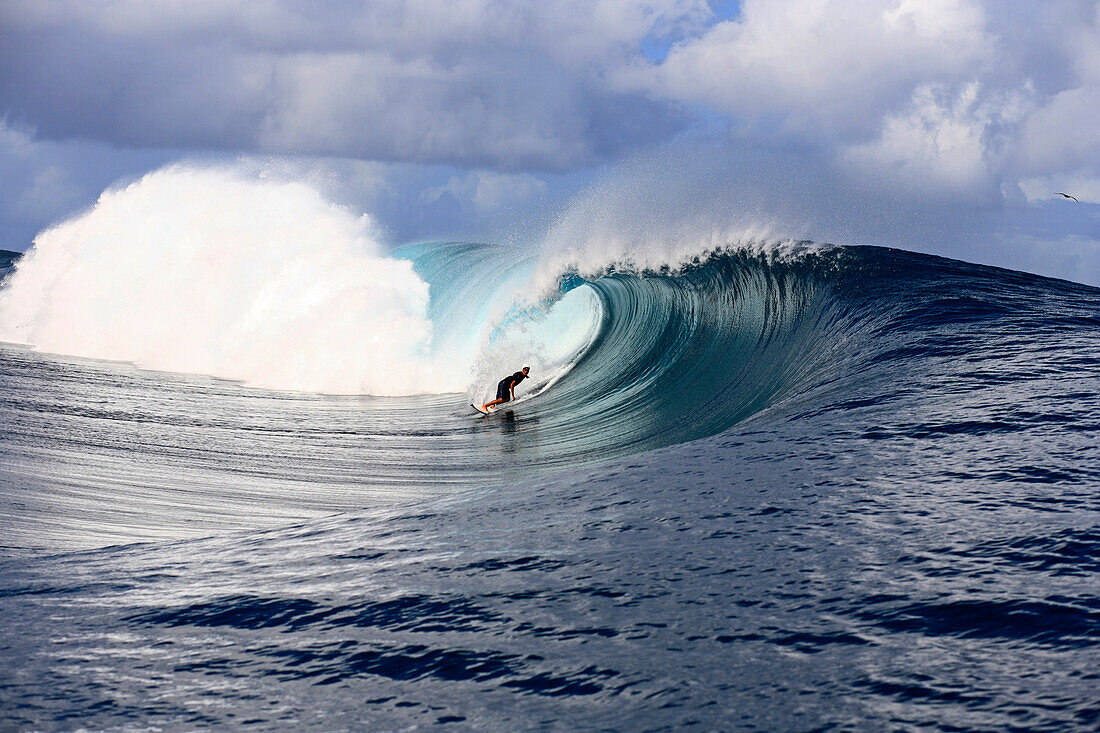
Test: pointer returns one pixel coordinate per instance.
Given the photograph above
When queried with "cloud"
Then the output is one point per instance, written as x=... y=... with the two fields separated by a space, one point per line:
x=838 y=66
x=50 y=191
x=940 y=146
x=935 y=98
x=503 y=85
x=1082 y=188
x=414 y=202
x=42 y=182
x=1062 y=135
x=924 y=92
x=487 y=191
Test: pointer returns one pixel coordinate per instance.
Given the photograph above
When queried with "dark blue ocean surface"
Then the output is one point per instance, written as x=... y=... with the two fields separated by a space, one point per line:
x=857 y=489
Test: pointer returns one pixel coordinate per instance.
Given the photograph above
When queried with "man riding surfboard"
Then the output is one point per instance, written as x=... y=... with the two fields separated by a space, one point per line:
x=506 y=389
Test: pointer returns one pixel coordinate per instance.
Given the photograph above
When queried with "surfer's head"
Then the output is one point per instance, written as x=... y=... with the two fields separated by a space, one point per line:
x=526 y=369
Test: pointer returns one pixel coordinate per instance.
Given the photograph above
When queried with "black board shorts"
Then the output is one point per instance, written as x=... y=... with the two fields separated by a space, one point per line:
x=502 y=391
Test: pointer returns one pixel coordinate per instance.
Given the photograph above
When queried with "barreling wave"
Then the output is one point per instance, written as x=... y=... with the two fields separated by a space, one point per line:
x=630 y=360
x=630 y=348
x=627 y=360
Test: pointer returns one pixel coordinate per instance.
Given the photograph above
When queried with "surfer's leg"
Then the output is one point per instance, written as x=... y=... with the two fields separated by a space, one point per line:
x=502 y=395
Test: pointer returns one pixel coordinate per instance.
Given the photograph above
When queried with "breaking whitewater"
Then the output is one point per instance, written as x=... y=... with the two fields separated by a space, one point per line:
x=752 y=483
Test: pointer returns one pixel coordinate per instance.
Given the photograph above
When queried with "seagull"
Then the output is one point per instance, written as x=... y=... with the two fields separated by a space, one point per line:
x=1059 y=193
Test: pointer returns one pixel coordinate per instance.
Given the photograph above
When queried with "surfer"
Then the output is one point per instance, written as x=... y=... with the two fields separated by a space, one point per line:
x=506 y=388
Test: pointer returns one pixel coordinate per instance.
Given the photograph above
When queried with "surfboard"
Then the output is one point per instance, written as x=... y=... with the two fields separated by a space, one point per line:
x=483 y=412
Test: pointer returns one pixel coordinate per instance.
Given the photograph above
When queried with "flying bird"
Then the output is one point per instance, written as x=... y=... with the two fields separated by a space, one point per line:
x=1059 y=193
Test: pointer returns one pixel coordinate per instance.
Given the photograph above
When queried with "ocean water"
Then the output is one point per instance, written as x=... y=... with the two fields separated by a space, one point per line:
x=803 y=488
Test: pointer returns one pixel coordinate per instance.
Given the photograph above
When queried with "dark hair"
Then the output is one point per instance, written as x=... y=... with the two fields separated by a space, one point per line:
x=526 y=368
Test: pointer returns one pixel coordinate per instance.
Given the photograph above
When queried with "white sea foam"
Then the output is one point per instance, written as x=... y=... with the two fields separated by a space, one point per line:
x=203 y=270
x=661 y=211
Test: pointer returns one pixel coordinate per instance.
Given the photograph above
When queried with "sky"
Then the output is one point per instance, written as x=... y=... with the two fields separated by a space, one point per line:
x=944 y=126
